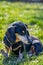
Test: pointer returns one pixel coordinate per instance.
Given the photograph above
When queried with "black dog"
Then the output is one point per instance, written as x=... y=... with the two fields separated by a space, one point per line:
x=16 y=37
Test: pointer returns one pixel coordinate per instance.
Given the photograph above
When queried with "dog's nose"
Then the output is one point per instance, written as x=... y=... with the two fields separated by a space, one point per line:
x=29 y=38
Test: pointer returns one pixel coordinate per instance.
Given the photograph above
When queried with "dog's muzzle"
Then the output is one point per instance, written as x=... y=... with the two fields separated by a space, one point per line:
x=25 y=39
x=29 y=39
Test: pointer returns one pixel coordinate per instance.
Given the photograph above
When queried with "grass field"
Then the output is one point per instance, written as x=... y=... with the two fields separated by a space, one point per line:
x=29 y=13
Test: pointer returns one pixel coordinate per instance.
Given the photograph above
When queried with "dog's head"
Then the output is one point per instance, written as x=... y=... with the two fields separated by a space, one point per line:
x=17 y=32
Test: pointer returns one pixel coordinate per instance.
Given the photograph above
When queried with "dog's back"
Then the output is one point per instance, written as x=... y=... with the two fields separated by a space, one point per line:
x=37 y=44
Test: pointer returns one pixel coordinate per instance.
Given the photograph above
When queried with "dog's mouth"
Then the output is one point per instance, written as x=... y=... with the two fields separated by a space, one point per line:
x=22 y=38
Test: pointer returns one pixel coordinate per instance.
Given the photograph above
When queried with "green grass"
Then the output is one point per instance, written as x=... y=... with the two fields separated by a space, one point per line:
x=29 y=13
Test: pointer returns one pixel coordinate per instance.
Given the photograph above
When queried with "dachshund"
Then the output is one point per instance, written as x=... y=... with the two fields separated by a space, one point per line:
x=16 y=37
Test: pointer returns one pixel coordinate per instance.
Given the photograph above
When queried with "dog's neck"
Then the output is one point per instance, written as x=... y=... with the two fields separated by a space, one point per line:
x=17 y=39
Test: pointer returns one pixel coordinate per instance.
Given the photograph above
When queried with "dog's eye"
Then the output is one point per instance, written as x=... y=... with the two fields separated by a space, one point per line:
x=23 y=31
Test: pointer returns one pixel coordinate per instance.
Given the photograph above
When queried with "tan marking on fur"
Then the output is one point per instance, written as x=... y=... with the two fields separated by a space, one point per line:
x=17 y=48
x=32 y=49
x=17 y=39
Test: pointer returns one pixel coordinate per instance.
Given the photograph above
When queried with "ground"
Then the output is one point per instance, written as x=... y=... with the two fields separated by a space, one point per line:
x=29 y=13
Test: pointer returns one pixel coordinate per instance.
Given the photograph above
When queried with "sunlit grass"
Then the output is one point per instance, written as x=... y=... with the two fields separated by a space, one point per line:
x=29 y=13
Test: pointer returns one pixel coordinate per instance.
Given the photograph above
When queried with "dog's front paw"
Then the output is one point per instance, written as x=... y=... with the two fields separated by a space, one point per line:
x=20 y=55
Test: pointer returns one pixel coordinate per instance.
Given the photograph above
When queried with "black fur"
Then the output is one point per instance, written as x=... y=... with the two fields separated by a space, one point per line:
x=10 y=37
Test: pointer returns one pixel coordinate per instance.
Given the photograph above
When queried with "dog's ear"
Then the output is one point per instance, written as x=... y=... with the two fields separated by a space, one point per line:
x=26 y=25
x=27 y=29
x=11 y=34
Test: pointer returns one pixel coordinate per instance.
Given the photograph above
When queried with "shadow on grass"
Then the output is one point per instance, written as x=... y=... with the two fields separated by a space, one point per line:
x=16 y=0
x=35 y=9
x=12 y=60
x=30 y=1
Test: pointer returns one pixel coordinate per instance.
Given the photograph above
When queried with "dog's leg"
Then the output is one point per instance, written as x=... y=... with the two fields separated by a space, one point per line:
x=7 y=50
x=32 y=51
x=20 y=55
